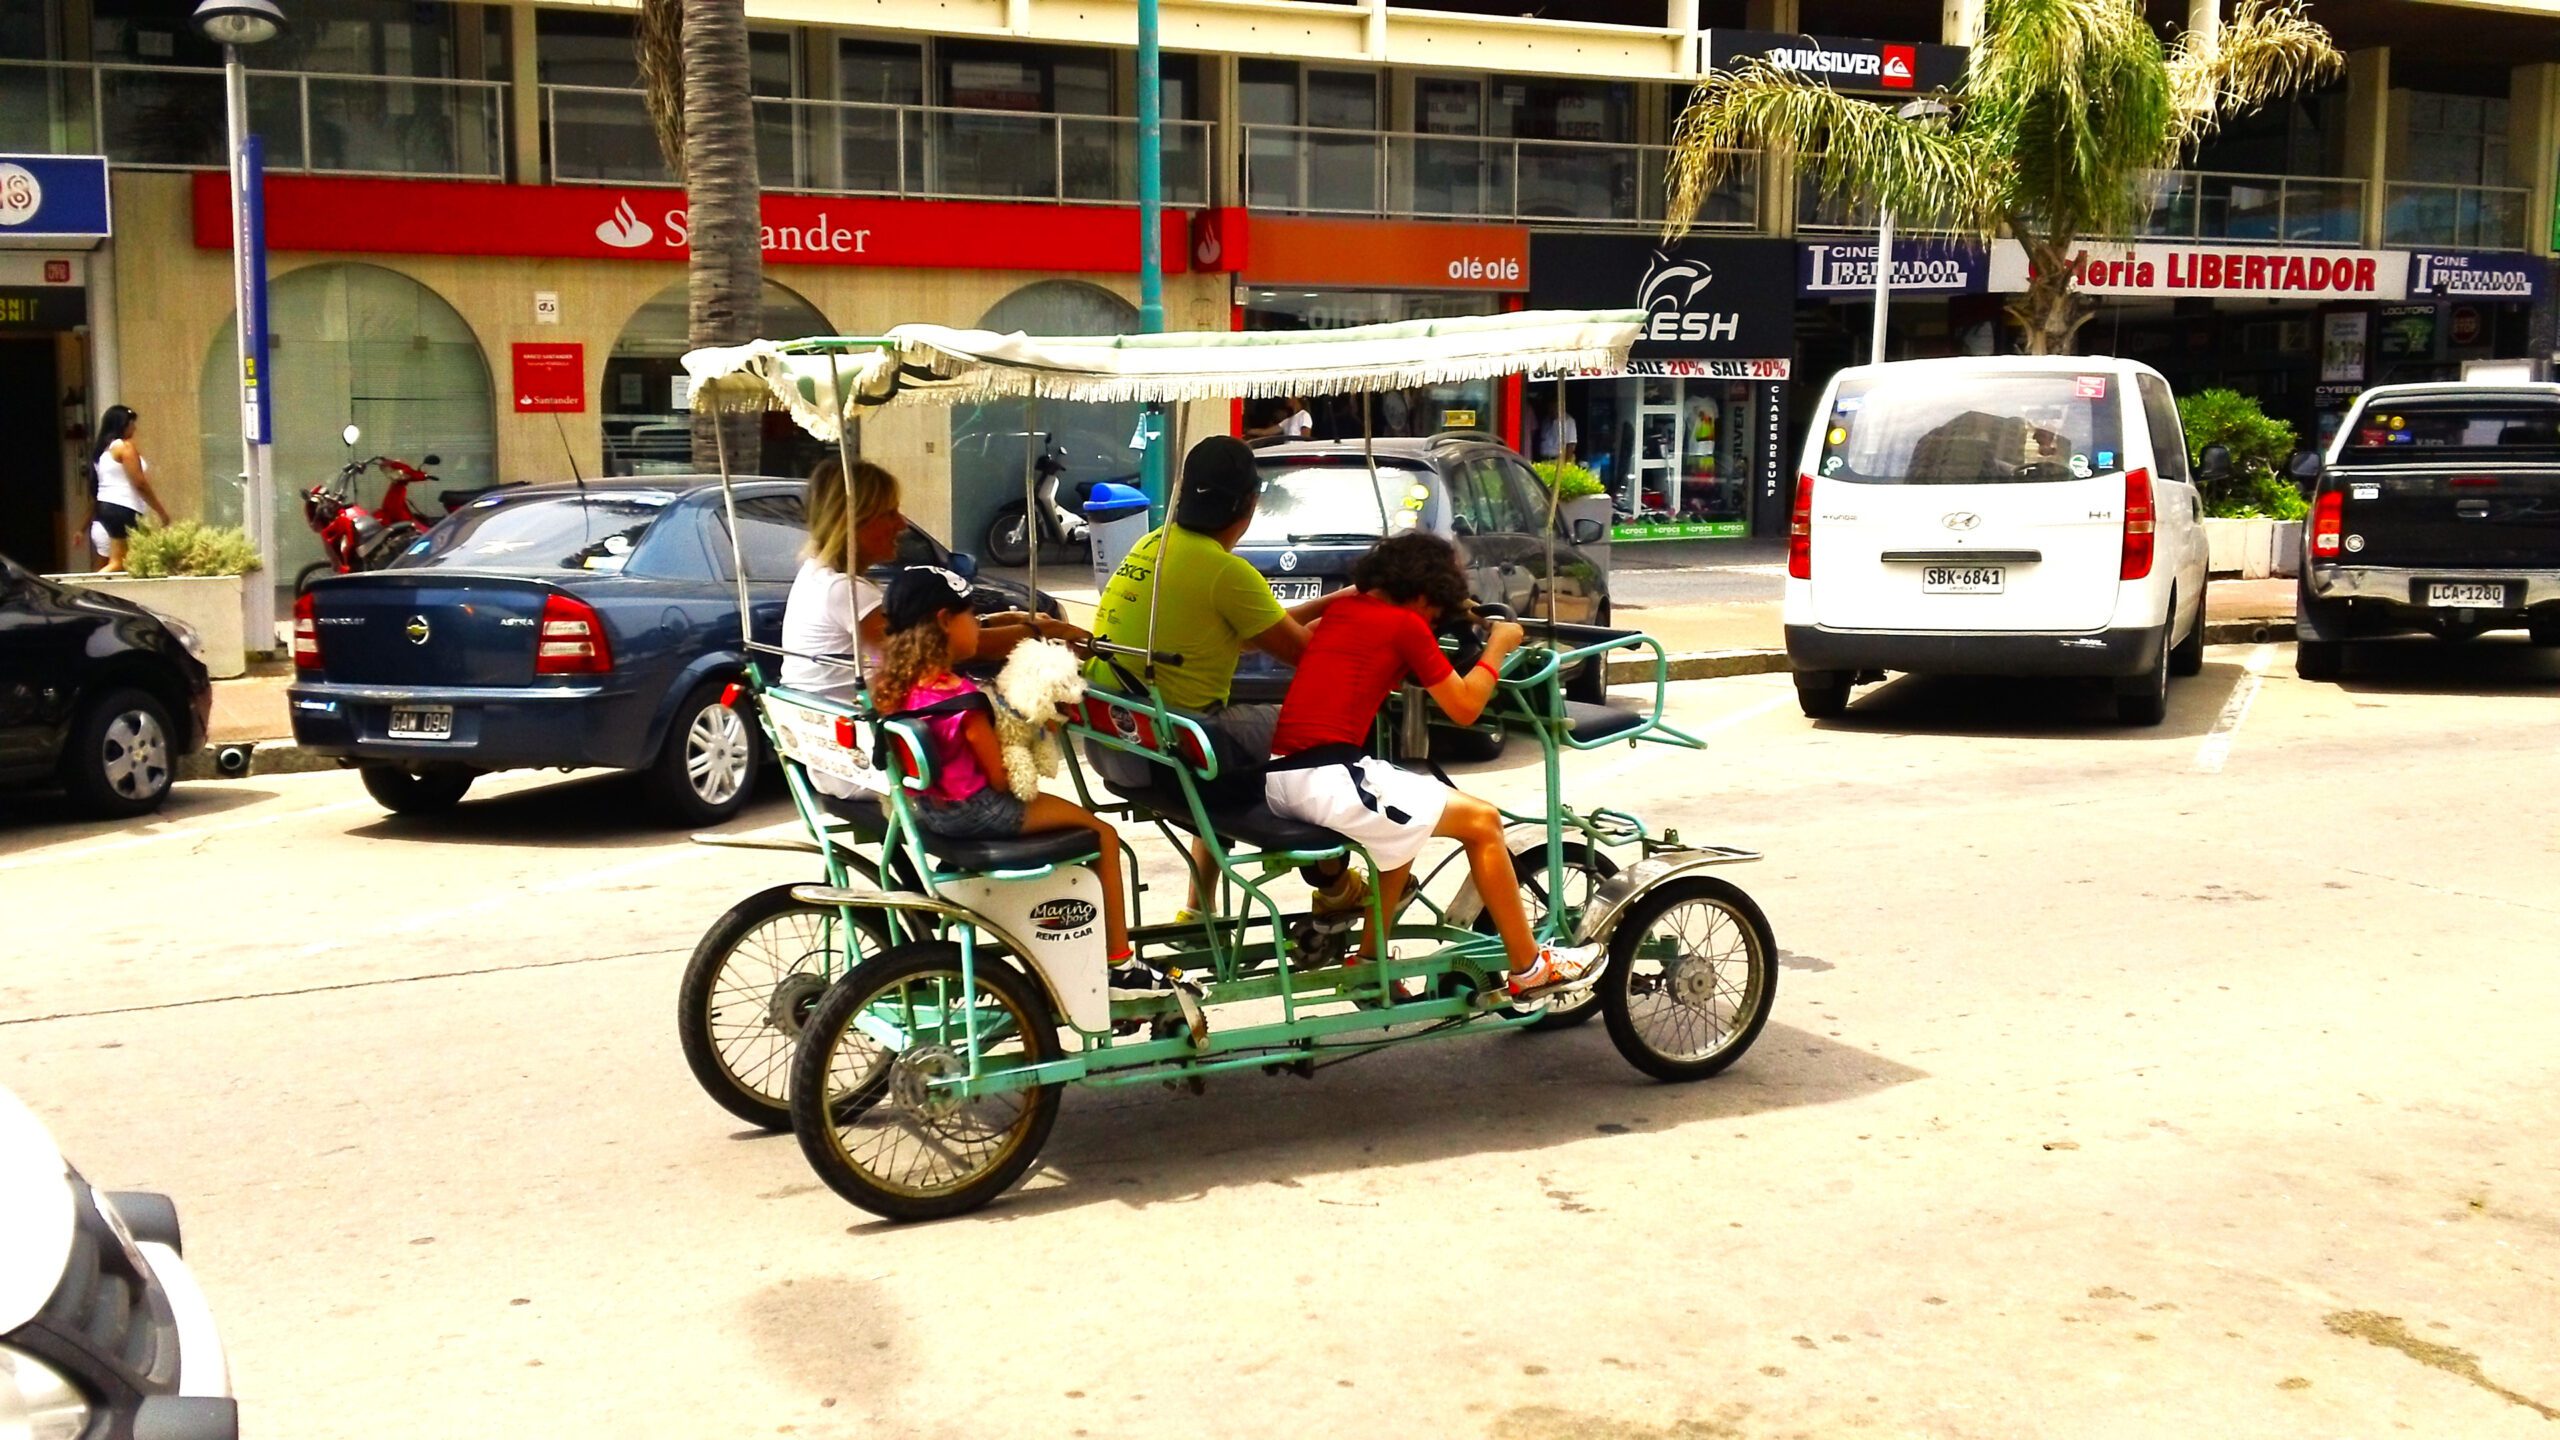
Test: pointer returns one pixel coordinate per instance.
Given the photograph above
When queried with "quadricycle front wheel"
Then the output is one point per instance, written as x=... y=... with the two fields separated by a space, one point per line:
x=864 y=1099
x=1693 y=971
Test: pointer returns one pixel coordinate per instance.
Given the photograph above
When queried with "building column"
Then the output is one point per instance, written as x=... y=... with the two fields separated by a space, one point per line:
x=1783 y=16
x=2369 y=133
x=524 y=95
x=2533 y=147
x=2204 y=18
x=824 y=125
x=1219 y=92
x=1960 y=22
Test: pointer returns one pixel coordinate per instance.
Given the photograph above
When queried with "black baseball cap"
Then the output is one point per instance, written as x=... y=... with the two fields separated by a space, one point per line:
x=921 y=593
x=1219 y=481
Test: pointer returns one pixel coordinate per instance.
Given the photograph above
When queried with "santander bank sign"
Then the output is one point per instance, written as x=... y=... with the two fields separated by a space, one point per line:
x=431 y=217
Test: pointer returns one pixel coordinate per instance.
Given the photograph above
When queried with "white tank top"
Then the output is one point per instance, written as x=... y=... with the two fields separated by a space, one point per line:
x=115 y=487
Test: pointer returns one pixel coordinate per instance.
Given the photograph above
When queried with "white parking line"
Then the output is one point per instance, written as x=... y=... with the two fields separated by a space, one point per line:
x=2217 y=741
x=579 y=880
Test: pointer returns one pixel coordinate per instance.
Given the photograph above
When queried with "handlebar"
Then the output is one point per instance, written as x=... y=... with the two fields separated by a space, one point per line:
x=1101 y=646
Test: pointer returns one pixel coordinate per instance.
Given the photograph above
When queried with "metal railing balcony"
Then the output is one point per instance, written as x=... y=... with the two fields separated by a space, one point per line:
x=170 y=118
x=2185 y=205
x=1311 y=170
x=597 y=135
x=2466 y=217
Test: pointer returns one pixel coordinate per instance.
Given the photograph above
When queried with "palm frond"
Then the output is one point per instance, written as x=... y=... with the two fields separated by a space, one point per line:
x=2263 y=51
x=658 y=46
x=1929 y=174
x=2074 y=94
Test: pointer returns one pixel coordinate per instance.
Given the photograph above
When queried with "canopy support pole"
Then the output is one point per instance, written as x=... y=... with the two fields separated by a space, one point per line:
x=1033 y=522
x=844 y=477
x=737 y=552
x=1555 y=489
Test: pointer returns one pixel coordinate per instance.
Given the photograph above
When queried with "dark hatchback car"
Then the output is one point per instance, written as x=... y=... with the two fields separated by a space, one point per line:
x=562 y=626
x=1321 y=510
x=97 y=694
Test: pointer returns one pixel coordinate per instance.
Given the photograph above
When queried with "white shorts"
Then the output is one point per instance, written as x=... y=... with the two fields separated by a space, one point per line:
x=1327 y=795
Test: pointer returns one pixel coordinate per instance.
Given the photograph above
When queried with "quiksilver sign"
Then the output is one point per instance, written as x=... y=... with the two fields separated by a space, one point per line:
x=1839 y=62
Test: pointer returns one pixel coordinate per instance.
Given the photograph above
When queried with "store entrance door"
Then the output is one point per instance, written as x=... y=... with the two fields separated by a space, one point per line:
x=31 y=453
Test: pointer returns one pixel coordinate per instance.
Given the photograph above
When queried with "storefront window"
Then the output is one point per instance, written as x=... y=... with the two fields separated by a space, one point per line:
x=648 y=428
x=351 y=344
x=1423 y=410
x=874 y=143
x=987 y=439
x=596 y=127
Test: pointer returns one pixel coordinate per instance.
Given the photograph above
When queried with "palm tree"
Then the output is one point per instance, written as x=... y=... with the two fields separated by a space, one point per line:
x=693 y=72
x=2068 y=107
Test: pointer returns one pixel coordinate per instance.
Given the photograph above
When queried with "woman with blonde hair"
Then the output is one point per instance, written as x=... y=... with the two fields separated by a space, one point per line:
x=854 y=528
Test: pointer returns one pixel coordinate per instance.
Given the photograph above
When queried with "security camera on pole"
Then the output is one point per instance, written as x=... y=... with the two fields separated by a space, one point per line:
x=235 y=25
x=1917 y=109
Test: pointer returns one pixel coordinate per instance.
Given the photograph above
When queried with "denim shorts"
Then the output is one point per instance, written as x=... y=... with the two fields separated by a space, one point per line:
x=990 y=814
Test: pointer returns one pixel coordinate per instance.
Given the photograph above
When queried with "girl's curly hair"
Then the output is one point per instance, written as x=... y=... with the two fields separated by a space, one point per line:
x=1415 y=565
x=907 y=656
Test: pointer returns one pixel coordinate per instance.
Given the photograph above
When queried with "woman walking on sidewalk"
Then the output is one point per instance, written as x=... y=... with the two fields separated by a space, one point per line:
x=120 y=482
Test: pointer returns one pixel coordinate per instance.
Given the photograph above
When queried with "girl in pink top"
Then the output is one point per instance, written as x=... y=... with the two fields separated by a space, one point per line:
x=931 y=628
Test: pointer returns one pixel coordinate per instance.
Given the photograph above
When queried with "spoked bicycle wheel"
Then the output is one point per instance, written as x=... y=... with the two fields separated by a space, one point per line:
x=748 y=992
x=1693 y=971
x=863 y=1101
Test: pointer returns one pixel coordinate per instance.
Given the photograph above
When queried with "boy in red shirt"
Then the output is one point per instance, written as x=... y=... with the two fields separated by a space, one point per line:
x=1361 y=650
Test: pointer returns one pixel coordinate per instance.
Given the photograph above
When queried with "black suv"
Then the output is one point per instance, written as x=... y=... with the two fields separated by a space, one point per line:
x=1320 y=511
x=97 y=694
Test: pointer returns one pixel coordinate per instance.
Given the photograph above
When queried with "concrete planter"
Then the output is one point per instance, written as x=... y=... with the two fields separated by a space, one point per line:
x=2286 y=559
x=2244 y=548
x=210 y=605
x=1589 y=507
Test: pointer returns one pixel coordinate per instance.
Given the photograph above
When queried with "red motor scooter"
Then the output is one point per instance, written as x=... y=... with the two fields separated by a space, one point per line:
x=355 y=538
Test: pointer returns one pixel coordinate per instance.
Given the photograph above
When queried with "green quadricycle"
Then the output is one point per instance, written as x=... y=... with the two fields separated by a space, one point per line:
x=914 y=1012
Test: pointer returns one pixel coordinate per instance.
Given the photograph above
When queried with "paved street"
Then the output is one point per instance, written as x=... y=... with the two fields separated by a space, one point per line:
x=2175 y=1082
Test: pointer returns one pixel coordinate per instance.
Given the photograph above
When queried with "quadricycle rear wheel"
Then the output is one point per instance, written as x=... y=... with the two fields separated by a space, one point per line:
x=1693 y=971
x=864 y=1102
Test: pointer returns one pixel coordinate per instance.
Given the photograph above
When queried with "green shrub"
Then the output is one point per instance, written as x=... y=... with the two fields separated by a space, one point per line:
x=189 y=547
x=1569 y=480
x=2259 y=446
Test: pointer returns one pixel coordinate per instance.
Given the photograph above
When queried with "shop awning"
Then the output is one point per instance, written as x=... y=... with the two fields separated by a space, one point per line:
x=934 y=364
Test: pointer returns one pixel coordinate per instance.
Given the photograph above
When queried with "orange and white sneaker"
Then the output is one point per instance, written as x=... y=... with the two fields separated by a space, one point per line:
x=1558 y=967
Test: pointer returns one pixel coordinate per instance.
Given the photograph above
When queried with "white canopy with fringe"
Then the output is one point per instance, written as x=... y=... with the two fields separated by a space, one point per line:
x=934 y=364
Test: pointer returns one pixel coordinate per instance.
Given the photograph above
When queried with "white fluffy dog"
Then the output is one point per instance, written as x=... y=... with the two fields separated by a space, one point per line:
x=1038 y=690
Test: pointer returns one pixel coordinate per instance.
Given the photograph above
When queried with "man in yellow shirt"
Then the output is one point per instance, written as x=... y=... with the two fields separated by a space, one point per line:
x=1212 y=604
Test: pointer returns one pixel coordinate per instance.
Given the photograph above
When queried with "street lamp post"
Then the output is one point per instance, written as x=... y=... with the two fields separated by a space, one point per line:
x=1917 y=109
x=1155 y=465
x=235 y=25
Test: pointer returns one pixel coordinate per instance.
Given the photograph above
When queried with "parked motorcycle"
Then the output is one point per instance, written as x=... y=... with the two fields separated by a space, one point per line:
x=1061 y=513
x=355 y=538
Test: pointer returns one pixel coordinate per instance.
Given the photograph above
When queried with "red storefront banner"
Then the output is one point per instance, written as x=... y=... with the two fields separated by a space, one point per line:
x=607 y=222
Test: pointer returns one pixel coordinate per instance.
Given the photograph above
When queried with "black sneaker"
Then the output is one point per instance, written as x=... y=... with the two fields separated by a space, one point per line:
x=1136 y=980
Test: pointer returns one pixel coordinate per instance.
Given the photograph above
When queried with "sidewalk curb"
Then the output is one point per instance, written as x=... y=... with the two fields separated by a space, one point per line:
x=1718 y=664
x=266 y=757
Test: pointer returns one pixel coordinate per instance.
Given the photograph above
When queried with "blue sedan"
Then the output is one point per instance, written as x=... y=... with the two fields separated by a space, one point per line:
x=566 y=626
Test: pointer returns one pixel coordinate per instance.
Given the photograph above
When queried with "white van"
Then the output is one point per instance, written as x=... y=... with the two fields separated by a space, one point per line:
x=1999 y=515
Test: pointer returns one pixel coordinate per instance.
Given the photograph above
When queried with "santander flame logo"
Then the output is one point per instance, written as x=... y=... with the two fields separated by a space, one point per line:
x=625 y=230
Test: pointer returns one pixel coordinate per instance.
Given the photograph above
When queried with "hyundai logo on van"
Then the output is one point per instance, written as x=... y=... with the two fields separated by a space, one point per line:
x=1962 y=520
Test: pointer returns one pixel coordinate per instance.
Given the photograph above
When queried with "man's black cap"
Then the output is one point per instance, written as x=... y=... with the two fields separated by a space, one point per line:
x=1219 y=480
x=921 y=593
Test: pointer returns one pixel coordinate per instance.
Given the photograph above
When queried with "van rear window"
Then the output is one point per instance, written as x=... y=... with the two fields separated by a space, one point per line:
x=1931 y=428
x=2450 y=427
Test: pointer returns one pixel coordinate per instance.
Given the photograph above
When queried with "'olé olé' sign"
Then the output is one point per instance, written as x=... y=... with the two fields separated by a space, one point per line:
x=2239 y=273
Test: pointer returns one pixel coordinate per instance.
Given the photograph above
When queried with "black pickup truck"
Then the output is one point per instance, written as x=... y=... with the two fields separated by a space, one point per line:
x=2437 y=511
